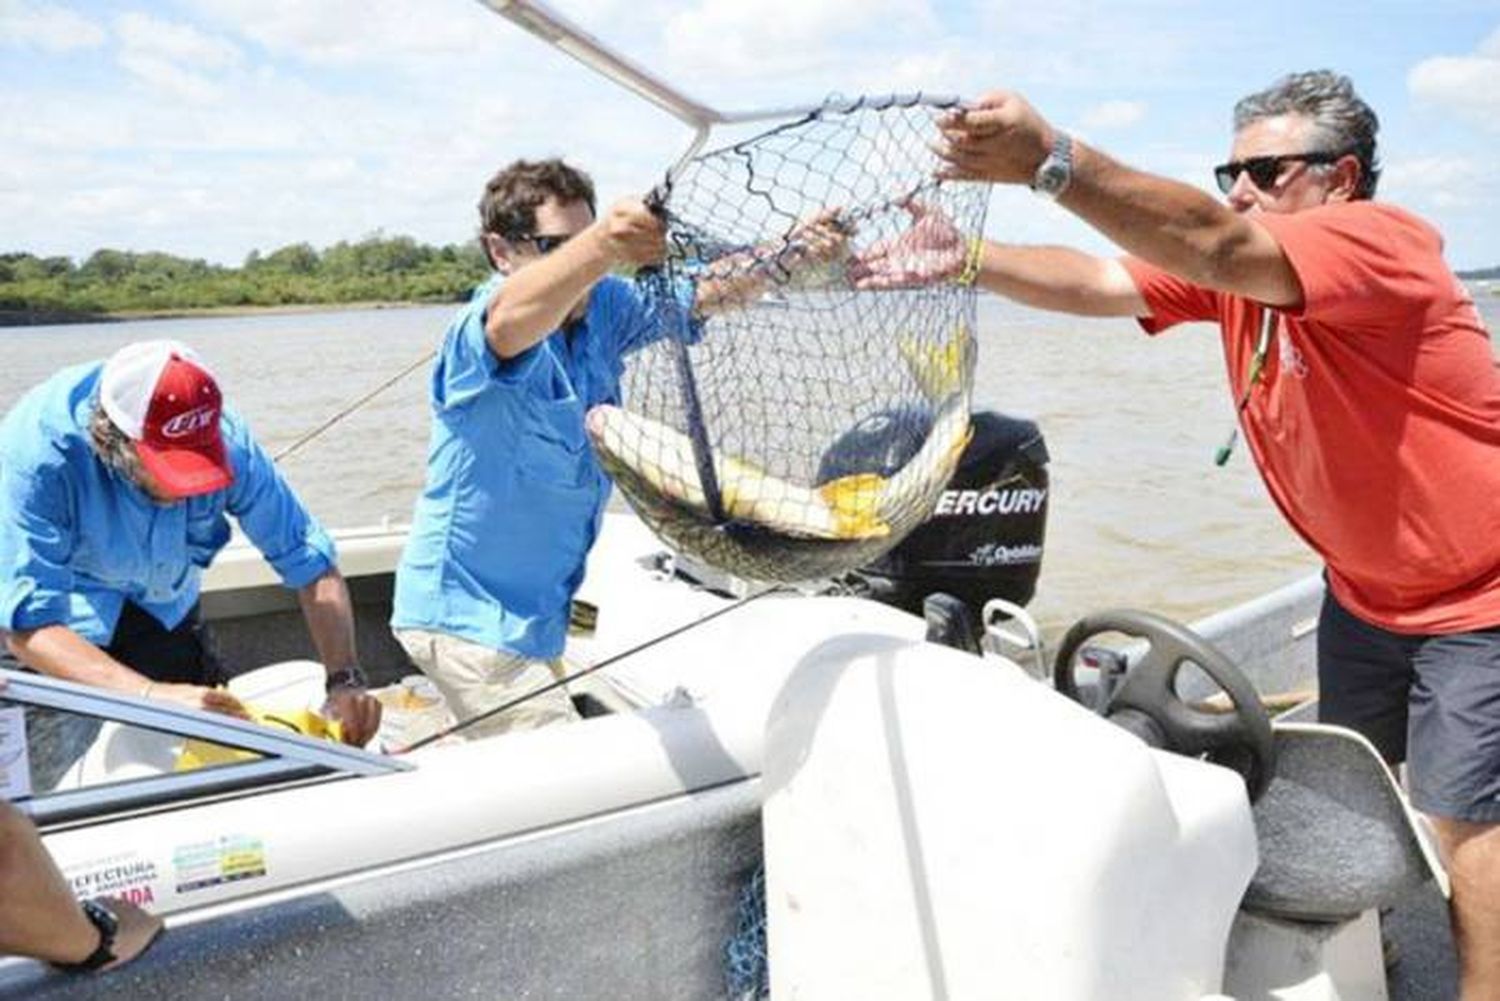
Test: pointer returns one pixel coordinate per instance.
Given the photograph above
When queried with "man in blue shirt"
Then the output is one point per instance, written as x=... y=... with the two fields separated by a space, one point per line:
x=115 y=483
x=514 y=496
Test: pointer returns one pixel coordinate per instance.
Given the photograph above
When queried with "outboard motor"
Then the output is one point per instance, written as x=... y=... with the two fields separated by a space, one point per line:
x=984 y=537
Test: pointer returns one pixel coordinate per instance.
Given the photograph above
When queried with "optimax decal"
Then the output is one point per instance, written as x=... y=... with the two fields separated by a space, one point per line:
x=224 y=860
x=993 y=554
x=128 y=877
x=1016 y=500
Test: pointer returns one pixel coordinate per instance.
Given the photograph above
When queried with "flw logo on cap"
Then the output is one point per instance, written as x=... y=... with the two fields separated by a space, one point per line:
x=191 y=422
x=169 y=404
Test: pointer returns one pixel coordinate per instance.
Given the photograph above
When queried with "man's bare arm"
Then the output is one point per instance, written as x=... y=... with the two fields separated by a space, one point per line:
x=330 y=619
x=1061 y=279
x=534 y=300
x=737 y=280
x=1173 y=225
x=1180 y=229
x=933 y=249
x=58 y=651
x=39 y=916
x=329 y=614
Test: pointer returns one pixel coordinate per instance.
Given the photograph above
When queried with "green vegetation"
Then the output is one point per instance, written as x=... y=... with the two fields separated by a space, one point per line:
x=113 y=282
x=1482 y=274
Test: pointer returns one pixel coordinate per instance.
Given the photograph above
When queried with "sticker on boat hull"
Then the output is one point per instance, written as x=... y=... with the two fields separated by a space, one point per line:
x=128 y=876
x=226 y=859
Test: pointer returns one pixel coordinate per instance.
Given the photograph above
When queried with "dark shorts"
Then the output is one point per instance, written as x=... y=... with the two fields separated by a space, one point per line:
x=1431 y=701
x=184 y=655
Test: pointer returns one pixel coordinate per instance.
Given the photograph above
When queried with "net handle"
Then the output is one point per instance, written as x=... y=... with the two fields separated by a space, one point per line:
x=565 y=36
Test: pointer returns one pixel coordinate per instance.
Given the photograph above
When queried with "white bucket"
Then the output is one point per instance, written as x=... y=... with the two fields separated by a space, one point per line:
x=284 y=687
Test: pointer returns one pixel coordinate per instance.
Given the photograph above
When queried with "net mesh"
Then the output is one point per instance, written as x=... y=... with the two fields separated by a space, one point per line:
x=747 y=971
x=788 y=425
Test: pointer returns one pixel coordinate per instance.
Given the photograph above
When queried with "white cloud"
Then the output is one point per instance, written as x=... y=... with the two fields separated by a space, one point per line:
x=1442 y=182
x=1113 y=115
x=145 y=35
x=942 y=68
x=1084 y=44
x=169 y=78
x=1468 y=86
x=348 y=33
x=778 y=36
x=47 y=27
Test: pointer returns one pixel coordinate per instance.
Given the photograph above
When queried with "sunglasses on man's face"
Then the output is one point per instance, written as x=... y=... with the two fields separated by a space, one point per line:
x=545 y=243
x=1265 y=170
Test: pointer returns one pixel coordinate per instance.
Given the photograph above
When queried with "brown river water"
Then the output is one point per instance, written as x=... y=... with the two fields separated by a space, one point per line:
x=1139 y=514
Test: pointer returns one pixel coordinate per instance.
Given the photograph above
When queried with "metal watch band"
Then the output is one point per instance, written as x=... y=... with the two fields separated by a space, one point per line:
x=346 y=677
x=1056 y=171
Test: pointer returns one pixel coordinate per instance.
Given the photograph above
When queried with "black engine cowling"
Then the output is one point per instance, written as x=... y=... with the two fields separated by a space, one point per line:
x=984 y=536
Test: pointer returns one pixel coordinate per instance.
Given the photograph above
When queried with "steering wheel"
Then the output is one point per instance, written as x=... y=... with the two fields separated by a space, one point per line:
x=1147 y=704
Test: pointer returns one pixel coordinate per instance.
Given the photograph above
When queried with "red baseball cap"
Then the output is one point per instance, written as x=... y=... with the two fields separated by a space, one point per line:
x=165 y=400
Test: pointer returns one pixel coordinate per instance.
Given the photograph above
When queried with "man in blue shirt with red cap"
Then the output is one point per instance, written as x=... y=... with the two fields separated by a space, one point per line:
x=115 y=483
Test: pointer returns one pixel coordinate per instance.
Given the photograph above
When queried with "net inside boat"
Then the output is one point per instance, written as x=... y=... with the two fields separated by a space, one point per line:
x=788 y=425
x=747 y=974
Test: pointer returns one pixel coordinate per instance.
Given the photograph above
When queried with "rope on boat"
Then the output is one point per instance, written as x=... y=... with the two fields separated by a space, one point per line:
x=346 y=411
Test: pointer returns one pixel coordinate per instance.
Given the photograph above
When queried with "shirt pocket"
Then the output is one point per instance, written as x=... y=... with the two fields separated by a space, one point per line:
x=554 y=448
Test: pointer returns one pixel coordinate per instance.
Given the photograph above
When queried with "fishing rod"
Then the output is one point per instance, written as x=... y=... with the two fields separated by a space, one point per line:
x=350 y=408
x=567 y=678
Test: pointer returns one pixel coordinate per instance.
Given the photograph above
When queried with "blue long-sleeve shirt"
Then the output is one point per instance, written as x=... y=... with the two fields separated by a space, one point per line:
x=78 y=540
x=514 y=494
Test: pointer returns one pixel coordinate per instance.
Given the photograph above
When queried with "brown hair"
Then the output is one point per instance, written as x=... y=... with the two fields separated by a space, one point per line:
x=508 y=207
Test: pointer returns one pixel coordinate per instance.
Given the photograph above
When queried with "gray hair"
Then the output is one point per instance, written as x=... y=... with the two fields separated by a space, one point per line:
x=114 y=447
x=1342 y=123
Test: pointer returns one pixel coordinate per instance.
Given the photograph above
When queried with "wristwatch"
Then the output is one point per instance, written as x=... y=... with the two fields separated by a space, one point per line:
x=346 y=677
x=101 y=918
x=1056 y=172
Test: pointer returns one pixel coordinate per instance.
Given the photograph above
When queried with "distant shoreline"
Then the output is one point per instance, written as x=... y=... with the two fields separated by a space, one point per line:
x=51 y=317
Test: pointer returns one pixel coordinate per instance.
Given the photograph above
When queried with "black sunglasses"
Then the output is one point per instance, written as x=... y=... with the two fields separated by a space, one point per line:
x=1264 y=170
x=545 y=243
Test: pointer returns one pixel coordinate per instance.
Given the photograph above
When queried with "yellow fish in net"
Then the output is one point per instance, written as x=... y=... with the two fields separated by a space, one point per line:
x=663 y=456
x=854 y=507
x=939 y=369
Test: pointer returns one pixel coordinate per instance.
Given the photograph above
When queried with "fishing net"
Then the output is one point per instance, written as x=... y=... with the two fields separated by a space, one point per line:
x=788 y=425
x=747 y=971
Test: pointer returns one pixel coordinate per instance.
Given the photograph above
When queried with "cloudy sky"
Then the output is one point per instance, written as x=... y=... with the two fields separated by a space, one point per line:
x=208 y=128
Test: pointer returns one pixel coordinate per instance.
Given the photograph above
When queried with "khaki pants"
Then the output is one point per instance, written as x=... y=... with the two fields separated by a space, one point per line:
x=475 y=679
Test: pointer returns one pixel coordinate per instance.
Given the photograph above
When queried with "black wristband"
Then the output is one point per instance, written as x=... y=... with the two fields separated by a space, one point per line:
x=346 y=677
x=100 y=917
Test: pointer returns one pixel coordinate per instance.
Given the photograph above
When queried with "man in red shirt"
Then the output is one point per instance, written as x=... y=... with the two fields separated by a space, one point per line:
x=1367 y=389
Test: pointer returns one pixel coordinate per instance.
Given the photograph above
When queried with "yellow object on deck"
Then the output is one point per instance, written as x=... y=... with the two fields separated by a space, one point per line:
x=205 y=753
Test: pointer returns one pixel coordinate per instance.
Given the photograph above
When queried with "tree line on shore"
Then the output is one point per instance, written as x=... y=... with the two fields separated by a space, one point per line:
x=375 y=269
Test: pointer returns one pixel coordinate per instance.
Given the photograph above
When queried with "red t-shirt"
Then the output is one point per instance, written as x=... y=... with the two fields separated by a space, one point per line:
x=1376 y=420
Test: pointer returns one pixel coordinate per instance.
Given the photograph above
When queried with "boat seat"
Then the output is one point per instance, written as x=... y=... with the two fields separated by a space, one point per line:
x=1336 y=835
